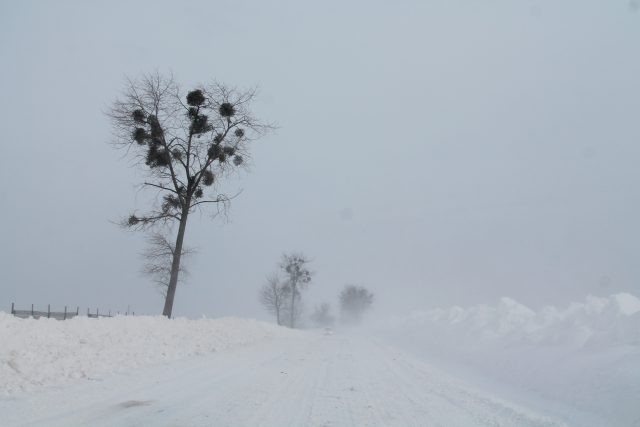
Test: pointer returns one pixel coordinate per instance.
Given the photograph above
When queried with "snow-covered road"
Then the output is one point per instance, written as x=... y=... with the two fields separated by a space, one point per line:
x=306 y=380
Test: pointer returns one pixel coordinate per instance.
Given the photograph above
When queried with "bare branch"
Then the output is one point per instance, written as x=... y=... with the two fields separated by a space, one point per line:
x=158 y=259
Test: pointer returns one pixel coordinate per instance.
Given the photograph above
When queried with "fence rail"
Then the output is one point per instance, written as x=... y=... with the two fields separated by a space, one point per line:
x=60 y=315
x=97 y=314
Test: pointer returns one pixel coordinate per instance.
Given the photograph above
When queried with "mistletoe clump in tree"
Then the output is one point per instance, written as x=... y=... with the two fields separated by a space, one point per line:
x=186 y=142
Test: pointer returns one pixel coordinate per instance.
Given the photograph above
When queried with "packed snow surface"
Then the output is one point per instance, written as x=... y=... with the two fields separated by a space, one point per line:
x=44 y=352
x=311 y=379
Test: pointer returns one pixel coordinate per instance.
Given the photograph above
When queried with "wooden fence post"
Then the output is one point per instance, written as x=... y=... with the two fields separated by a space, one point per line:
x=97 y=312
x=87 y=311
x=31 y=310
x=65 y=313
x=77 y=310
x=48 y=311
x=12 y=310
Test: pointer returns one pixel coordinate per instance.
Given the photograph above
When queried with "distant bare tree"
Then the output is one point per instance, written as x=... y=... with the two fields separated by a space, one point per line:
x=274 y=296
x=354 y=301
x=185 y=143
x=158 y=259
x=298 y=277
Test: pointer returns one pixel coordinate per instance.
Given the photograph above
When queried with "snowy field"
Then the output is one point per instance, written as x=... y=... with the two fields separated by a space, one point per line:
x=502 y=365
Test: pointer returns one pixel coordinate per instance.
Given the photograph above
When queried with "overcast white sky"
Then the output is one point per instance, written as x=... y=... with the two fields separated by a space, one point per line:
x=437 y=151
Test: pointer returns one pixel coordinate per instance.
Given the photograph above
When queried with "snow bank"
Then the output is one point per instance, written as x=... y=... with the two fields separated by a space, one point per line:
x=583 y=358
x=597 y=322
x=44 y=352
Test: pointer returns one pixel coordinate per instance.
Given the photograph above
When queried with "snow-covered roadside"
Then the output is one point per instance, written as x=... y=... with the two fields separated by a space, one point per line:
x=579 y=364
x=38 y=353
x=311 y=379
x=582 y=361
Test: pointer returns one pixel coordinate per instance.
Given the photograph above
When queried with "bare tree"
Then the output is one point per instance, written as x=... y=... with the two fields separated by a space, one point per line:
x=298 y=277
x=274 y=296
x=354 y=301
x=185 y=144
x=158 y=260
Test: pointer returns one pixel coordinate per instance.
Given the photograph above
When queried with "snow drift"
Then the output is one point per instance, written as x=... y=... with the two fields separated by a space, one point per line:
x=580 y=359
x=597 y=322
x=44 y=352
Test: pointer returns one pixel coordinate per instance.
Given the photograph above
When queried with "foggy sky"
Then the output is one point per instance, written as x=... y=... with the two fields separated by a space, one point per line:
x=437 y=152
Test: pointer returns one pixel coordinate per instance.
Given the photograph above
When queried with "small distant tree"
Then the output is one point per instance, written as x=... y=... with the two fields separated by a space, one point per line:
x=321 y=316
x=354 y=301
x=185 y=142
x=274 y=296
x=298 y=277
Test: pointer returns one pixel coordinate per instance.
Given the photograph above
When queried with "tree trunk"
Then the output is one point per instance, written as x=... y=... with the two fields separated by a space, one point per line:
x=175 y=265
x=293 y=307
